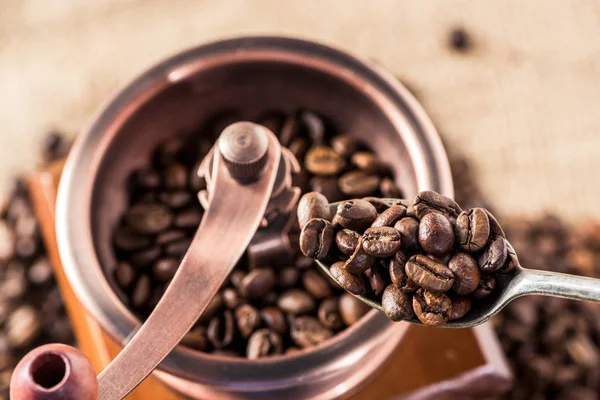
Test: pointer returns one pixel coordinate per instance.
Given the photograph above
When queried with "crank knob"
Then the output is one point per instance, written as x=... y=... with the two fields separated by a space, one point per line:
x=244 y=147
x=54 y=372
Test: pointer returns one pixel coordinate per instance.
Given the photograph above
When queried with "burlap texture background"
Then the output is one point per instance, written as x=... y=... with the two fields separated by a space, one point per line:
x=523 y=106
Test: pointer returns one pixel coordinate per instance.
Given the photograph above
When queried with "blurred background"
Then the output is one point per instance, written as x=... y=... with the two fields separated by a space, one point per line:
x=520 y=102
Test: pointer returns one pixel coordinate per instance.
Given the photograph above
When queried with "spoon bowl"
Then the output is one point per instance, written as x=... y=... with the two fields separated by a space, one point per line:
x=518 y=282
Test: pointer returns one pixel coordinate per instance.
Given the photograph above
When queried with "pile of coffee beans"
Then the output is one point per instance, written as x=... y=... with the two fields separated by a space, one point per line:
x=262 y=310
x=31 y=309
x=553 y=345
x=428 y=258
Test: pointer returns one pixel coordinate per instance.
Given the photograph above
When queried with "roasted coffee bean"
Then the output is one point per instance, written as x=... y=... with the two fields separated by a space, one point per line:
x=313 y=205
x=169 y=151
x=307 y=332
x=273 y=318
x=408 y=228
x=257 y=282
x=236 y=277
x=288 y=277
x=431 y=308
x=398 y=274
x=316 y=238
x=380 y=204
x=299 y=147
x=345 y=145
x=126 y=239
x=324 y=161
x=247 y=319
x=348 y=281
x=466 y=273
x=487 y=284
x=169 y=237
x=495 y=228
x=436 y=235
x=347 y=240
x=273 y=121
x=221 y=330
x=196 y=340
x=149 y=218
x=388 y=189
x=26 y=247
x=356 y=214
x=264 y=343
x=141 y=292
x=360 y=260
x=358 y=184
x=14 y=284
x=23 y=326
x=329 y=314
x=327 y=186
x=290 y=130
x=231 y=298
x=396 y=304
x=40 y=272
x=175 y=177
x=382 y=241
x=351 y=308
x=296 y=301
x=460 y=307
x=429 y=274
x=314 y=126
x=145 y=179
x=125 y=275
x=188 y=219
x=164 y=269
x=146 y=257
x=389 y=216
x=429 y=201
x=512 y=261
x=315 y=284
x=175 y=200
x=494 y=255
x=369 y=163
x=215 y=305
x=377 y=277
x=472 y=230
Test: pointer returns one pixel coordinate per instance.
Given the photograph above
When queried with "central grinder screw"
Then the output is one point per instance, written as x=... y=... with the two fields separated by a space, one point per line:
x=244 y=147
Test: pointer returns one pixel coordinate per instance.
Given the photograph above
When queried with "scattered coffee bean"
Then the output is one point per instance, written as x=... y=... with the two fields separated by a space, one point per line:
x=329 y=315
x=408 y=228
x=377 y=277
x=221 y=330
x=315 y=284
x=429 y=274
x=149 y=218
x=316 y=238
x=359 y=184
x=345 y=145
x=141 y=292
x=494 y=256
x=273 y=318
x=429 y=201
x=351 y=308
x=231 y=298
x=382 y=241
x=313 y=205
x=296 y=301
x=348 y=281
x=360 y=260
x=388 y=189
x=257 y=282
x=369 y=163
x=389 y=216
x=380 y=204
x=264 y=343
x=322 y=160
x=432 y=308
x=466 y=273
x=487 y=284
x=125 y=275
x=164 y=269
x=356 y=215
x=308 y=332
x=288 y=277
x=247 y=319
x=347 y=241
x=396 y=304
x=472 y=229
x=460 y=307
x=436 y=236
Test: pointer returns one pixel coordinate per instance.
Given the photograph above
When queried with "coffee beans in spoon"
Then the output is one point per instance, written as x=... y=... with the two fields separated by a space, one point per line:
x=427 y=258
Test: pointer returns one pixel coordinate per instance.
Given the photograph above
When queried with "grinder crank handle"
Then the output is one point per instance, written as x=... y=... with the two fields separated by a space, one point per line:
x=244 y=171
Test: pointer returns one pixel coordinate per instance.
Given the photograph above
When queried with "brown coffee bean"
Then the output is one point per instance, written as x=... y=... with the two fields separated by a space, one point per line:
x=360 y=260
x=195 y=340
x=236 y=277
x=460 y=308
x=141 y=292
x=389 y=216
x=352 y=283
x=377 y=276
x=494 y=255
x=145 y=179
x=273 y=318
x=221 y=330
x=358 y=184
x=125 y=275
x=313 y=205
x=232 y=299
x=288 y=277
x=345 y=145
x=432 y=308
x=316 y=238
x=347 y=240
x=215 y=305
x=175 y=177
x=23 y=326
x=247 y=319
x=322 y=160
x=257 y=282
x=149 y=218
x=314 y=283
x=388 y=189
x=356 y=215
x=175 y=200
x=164 y=269
x=379 y=204
x=436 y=235
x=487 y=284
x=466 y=273
x=369 y=163
x=329 y=314
x=398 y=274
x=351 y=308
x=272 y=120
x=296 y=301
x=264 y=343
x=146 y=257
x=178 y=248
x=495 y=228
x=328 y=186
x=472 y=230
x=396 y=304
x=512 y=261
x=382 y=241
x=169 y=237
x=408 y=228
x=188 y=218
x=127 y=240
x=315 y=127
x=429 y=274
x=307 y=332
x=429 y=201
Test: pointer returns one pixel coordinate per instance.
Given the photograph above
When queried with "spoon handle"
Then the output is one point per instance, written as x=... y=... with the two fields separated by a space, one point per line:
x=559 y=285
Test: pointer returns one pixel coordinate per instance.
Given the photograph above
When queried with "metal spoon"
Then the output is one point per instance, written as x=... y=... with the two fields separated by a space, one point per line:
x=519 y=282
